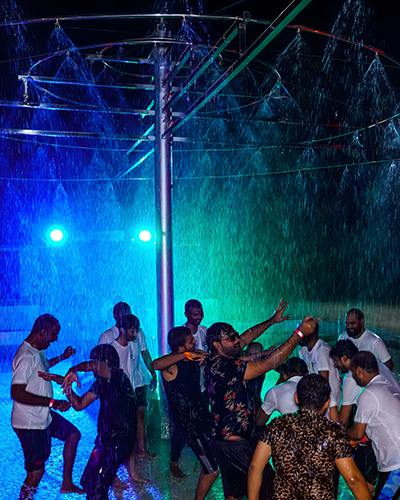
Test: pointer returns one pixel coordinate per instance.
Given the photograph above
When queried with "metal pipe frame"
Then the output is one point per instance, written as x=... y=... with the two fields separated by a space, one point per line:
x=163 y=185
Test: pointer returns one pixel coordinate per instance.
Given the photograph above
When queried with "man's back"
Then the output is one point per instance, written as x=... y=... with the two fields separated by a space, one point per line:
x=304 y=448
x=281 y=397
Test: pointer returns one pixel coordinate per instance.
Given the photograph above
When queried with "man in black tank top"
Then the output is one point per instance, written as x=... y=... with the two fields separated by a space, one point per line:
x=181 y=378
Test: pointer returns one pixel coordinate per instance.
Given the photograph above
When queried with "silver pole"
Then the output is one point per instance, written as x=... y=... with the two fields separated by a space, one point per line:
x=163 y=185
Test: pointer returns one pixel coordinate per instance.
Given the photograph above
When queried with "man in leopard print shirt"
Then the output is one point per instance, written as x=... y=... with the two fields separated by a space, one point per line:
x=305 y=448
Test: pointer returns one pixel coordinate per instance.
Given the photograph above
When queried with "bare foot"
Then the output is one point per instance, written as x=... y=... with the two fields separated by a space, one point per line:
x=71 y=488
x=176 y=471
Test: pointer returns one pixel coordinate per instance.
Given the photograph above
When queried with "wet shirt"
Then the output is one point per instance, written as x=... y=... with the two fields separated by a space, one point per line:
x=117 y=415
x=186 y=401
x=230 y=400
x=304 y=447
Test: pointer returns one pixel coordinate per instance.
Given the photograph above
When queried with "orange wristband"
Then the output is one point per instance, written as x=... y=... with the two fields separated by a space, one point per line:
x=188 y=355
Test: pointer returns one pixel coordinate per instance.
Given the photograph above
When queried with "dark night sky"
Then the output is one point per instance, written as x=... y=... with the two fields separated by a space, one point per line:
x=384 y=24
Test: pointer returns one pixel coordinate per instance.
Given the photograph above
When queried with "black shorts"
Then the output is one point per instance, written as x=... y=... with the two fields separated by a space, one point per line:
x=36 y=443
x=364 y=457
x=202 y=446
x=141 y=395
x=233 y=459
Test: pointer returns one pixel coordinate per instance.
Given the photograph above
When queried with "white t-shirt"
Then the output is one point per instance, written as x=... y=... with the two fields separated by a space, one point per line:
x=200 y=342
x=139 y=375
x=281 y=397
x=351 y=391
x=26 y=364
x=317 y=360
x=371 y=342
x=380 y=410
x=124 y=355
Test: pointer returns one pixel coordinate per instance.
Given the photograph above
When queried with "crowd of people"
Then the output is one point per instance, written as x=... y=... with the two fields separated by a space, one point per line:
x=339 y=408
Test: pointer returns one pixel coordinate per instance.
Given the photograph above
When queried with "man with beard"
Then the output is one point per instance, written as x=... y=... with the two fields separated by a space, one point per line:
x=226 y=381
x=364 y=339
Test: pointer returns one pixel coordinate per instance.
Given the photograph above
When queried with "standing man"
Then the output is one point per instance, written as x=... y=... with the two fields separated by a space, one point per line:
x=226 y=380
x=33 y=417
x=140 y=375
x=378 y=417
x=181 y=379
x=315 y=352
x=364 y=339
x=115 y=424
x=306 y=448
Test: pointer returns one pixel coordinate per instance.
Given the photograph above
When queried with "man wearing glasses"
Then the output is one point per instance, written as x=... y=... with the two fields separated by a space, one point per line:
x=226 y=380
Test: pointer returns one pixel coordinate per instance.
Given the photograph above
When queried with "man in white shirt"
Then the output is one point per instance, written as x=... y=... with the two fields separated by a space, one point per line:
x=281 y=397
x=141 y=376
x=315 y=353
x=378 y=417
x=33 y=417
x=364 y=339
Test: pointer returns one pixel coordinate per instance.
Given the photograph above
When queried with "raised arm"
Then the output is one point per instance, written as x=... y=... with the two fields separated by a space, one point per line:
x=68 y=352
x=255 y=331
x=256 y=368
x=168 y=360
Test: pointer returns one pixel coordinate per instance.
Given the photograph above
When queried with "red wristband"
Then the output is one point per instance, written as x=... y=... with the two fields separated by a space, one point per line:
x=51 y=403
x=299 y=333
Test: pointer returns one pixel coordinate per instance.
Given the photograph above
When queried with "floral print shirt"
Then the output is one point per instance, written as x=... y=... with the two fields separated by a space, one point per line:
x=229 y=397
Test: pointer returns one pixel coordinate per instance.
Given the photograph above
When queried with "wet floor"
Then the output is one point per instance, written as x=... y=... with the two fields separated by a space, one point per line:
x=162 y=486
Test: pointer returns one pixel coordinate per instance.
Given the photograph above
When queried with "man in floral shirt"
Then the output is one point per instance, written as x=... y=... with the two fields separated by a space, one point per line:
x=226 y=375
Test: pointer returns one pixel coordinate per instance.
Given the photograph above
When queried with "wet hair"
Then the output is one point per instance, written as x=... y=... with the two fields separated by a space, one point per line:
x=177 y=337
x=357 y=313
x=214 y=333
x=44 y=322
x=128 y=321
x=106 y=353
x=121 y=308
x=343 y=348
x=257 y=346
x=313 y=391
x=193 y=304
x=294 y=366
x=365 y=360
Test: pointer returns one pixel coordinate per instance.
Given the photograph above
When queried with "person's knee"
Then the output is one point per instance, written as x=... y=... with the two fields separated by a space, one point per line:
x=74 y=437
x=34 y=477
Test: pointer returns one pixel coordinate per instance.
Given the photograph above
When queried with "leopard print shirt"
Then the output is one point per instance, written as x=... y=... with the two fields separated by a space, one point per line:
x=304 y=447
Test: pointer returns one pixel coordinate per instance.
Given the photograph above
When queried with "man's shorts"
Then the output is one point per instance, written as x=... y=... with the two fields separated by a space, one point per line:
x=233 y=459
x=36 y=443
x=202 y=446
x=141 y=395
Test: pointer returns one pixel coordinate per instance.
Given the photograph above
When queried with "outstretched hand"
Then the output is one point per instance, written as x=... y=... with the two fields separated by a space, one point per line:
x=278 y=315
x=69 y=379
x=198 y=355
x=68 y=352
x=51 y=377
x=308 y=325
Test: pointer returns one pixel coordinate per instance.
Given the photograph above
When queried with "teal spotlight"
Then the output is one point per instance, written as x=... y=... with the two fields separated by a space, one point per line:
x=56 y=236
x=145 y=235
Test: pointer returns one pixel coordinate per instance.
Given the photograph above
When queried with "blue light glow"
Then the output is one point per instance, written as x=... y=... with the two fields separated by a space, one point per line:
x=56 y=236
x=145 y=235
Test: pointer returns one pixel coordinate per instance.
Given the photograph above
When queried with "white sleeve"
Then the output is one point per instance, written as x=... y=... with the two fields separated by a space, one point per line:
x=22 y=369
x=367 y=405
x=269 y=404
x=380 y=351
x=141 y=340
x=323 y=360
x=351 y=391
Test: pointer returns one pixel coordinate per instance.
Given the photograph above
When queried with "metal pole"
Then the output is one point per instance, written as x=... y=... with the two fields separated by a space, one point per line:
x=163 y=185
